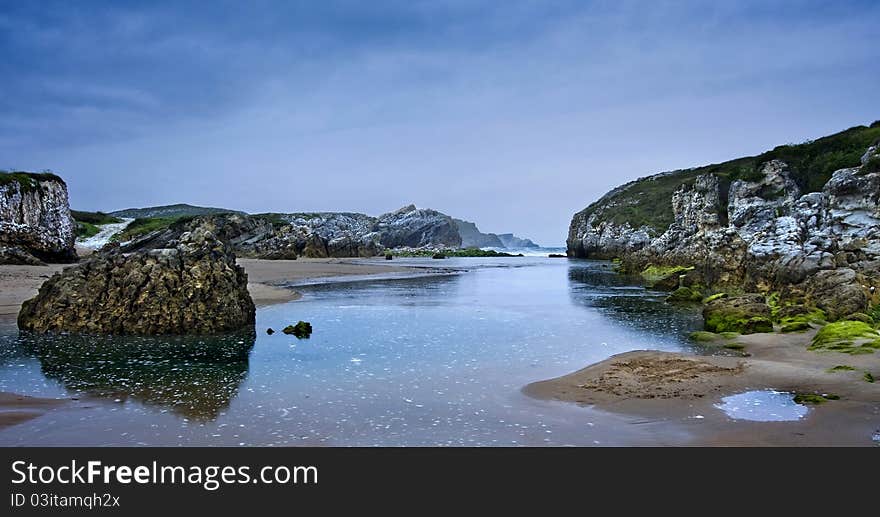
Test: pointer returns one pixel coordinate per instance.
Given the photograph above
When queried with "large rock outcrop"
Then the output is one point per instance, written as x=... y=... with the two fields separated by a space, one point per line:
x=759 y=229
x=194 y=287
x=35 y=217
x=314 y=235
x=413 y=227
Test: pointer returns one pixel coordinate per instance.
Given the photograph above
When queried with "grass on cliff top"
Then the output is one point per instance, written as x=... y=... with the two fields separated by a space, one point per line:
x=646 y=201
x=96 y=218
x=144 y=225
x=29 y=181
x=842 y=336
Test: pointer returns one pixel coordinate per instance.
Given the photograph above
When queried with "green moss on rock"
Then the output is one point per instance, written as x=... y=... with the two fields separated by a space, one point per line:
x=814 y=398
x=845 y=336
x=703 y=336
x=840 y=368
x=684 y=294
x=716 y=296
x=663 y=277
x=798 y=326
x=860 y=316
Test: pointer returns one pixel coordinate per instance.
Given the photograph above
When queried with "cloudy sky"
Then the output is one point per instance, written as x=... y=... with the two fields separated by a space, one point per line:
x=512 y=114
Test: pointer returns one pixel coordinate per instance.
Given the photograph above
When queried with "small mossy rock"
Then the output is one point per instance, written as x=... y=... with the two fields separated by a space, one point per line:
x=684 y=294
x=860 y=316
x=851 y=337
x=797 y=326
x=389 y=256
x=438 y=256
x=666 y=278
x=302 y=330
x=746 y=314
x=704 y=337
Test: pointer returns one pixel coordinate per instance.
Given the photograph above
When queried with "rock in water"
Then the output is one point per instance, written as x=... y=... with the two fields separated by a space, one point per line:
x=302 y=330
x=193 y=288
x=35 y=216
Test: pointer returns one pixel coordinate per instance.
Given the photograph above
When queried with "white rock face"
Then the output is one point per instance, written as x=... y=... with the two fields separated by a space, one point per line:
x=35 y=215
x=773 y=234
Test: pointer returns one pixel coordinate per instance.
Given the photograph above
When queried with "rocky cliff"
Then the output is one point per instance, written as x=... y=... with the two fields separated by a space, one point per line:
x=783 y=220
x=35 y=218
x=316 y=235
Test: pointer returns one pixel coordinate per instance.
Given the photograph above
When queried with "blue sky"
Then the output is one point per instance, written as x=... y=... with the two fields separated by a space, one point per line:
x=511 y=114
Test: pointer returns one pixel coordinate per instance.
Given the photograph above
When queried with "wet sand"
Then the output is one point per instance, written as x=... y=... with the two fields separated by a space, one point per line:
x=15 y=409
x=681 y=390
x=267 y=278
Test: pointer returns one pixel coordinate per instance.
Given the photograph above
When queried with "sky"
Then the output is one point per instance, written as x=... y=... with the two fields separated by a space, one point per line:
x=512 y=114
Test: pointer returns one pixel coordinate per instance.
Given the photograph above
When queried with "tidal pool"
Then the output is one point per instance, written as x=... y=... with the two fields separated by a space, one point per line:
x=420 y=361
x=763 y=406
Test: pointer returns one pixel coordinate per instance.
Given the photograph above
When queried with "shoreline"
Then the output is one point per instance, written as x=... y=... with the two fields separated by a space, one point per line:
x=269 y=281
x=682 y=389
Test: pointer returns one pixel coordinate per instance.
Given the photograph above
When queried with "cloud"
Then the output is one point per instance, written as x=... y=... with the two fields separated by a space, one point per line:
x=514 y=115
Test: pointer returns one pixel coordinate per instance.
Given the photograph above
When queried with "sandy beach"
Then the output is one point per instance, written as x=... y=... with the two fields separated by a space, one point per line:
x=683 y=389
x=265 y=278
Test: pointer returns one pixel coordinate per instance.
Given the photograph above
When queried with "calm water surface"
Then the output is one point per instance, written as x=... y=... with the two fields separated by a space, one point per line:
x=423 y=361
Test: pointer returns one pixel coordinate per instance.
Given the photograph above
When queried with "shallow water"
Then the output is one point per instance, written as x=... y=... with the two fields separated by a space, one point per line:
x=422 y=361
x=763 y=406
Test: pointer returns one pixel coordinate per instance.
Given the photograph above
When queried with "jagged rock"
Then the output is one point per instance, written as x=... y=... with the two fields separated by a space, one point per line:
x=193 y=288
x=35 y=216
x=414 y=227
x=837 y=292
x=314 y=235
x=19 y=256
x=745 y=314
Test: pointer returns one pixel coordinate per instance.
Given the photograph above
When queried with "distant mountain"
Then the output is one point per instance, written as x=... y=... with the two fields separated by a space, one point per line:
x=178 y=210
x=512 y=241
x=472 y=237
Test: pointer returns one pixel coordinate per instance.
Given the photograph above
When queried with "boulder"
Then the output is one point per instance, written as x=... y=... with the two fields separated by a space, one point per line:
x=745 y=314
x=194 y=288
x=837 y=292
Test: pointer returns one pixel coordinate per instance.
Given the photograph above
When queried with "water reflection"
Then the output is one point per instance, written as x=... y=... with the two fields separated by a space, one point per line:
x=594 y=284
x=195 y=377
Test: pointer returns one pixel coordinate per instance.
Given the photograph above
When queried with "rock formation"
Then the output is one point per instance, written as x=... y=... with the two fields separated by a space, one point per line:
x=35 y=218
x=315 y=235
x=761 y=230
x=194 y=287
x=472 y=237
